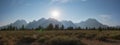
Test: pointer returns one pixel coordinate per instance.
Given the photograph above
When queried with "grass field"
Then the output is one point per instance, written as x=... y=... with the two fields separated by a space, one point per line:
x=59 y=37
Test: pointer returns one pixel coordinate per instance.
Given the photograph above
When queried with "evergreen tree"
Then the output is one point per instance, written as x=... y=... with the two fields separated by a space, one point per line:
x=78 y=28
x=70 y=28
x=93 y=28
x=50 y=27
x=107 y=28
x=87 y=28
x=22 y=28
x=32 y=28
x=3 y=28
x=56 y=27
x=16 y=28
x=100 y=28
x=10 y=27
x=119 y=28
x=39 y=27
x=13 y=28
x=62 y=27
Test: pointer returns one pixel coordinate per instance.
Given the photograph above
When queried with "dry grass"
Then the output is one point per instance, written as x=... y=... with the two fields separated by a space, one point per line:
x=71 y=37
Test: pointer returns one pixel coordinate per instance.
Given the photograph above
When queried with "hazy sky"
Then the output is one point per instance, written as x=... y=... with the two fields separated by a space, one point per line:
x=105 y=11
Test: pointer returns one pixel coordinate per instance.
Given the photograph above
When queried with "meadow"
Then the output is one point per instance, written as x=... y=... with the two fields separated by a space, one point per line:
x=60 y=37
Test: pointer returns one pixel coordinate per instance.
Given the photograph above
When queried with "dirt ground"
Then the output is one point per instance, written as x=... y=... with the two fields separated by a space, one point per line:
x=97 y=42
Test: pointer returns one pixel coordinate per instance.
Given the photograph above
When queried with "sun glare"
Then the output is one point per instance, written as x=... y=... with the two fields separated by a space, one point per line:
x=55 y=13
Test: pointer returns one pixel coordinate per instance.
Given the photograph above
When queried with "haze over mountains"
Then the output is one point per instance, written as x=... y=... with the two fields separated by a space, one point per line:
x=45 y=22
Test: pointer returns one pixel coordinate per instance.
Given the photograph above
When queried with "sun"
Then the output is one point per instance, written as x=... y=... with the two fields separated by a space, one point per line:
x=55 y=14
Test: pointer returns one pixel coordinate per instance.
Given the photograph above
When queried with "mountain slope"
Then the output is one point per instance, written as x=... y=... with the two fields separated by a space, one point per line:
x=17 y=24
x=90 y=23
x=45 y=22
x=68 y=24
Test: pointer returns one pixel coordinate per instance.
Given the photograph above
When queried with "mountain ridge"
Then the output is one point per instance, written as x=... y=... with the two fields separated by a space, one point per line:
x=90 y=22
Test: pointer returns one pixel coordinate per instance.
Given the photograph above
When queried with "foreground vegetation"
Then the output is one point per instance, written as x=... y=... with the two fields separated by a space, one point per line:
x=60 y=37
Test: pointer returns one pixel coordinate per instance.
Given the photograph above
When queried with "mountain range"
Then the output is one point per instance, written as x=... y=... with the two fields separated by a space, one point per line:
x=45 y=22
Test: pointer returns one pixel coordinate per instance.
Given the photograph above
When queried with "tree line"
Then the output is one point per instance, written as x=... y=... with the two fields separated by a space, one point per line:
x=56 y=27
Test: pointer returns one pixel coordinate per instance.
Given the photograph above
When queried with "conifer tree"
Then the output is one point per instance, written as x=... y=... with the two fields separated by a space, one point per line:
x=56 y=27
x=62 y=27
x=50 y=27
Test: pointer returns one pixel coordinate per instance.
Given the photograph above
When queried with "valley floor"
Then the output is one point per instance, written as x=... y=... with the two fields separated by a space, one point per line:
x=60 y=37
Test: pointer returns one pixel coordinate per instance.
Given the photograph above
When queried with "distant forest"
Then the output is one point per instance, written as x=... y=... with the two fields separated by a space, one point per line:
x=56 y=27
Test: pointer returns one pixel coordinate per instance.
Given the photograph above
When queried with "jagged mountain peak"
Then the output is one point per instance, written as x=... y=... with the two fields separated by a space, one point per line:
x=45 y=22
x=20 y=21
x=41 y=19
x=52 y=19
x=90 y=23
x=17 y=23
x=68 y=24
x=91 y=20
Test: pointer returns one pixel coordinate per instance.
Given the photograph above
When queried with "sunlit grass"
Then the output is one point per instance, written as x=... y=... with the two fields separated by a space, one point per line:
x=37 y=37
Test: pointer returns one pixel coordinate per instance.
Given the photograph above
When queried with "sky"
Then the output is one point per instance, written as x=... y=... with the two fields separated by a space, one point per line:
x=105 y=11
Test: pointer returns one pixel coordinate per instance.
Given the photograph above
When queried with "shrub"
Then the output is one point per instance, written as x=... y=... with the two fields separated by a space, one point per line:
x=42 y=39
x=117 y=37
x=80 y=35
x=91 y=36
x=1 y=41
x=25 y=41
x=64 y=40
x=102 y=38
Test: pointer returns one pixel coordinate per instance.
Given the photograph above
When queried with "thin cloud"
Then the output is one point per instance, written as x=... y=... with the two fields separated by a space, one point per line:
x=83 y=0
x=64 y=1
x=105 y=16
x=60 y=1
x=106 y=19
